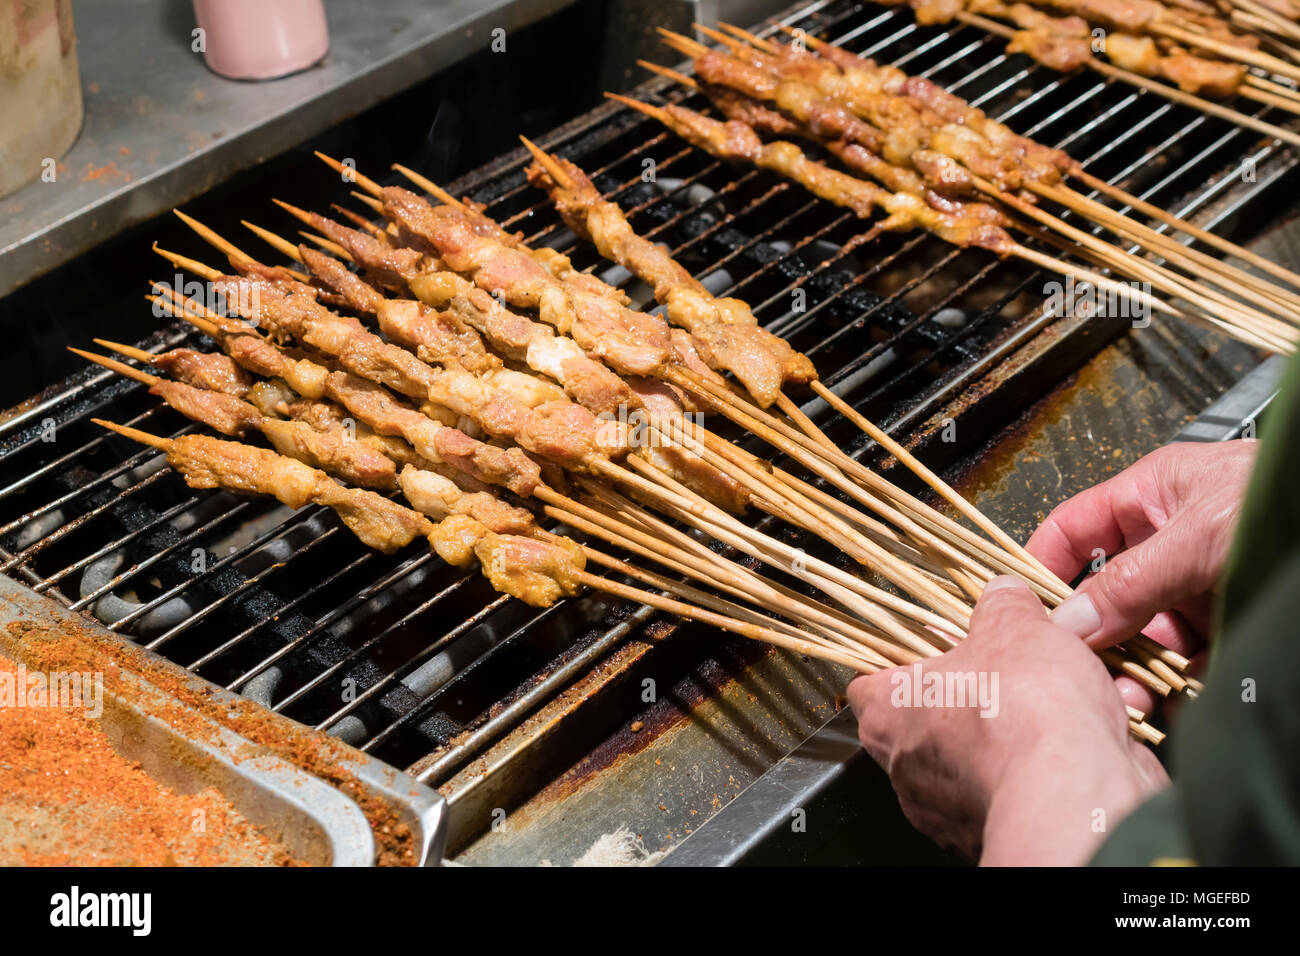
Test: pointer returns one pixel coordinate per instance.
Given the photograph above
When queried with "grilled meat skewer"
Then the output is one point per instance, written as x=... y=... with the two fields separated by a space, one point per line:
x=333 y=451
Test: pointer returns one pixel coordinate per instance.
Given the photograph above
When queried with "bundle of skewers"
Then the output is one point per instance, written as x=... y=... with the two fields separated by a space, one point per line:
x=1209 y=51
x=912 y=156
x=429 y=375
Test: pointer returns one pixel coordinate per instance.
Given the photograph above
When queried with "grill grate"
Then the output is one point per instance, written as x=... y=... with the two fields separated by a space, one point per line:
x=422 y=664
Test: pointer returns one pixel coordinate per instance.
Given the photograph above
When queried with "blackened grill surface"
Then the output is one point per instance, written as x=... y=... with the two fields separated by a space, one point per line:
x=424 y=665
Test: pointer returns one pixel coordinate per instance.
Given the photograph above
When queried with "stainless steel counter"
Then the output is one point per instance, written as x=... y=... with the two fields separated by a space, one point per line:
x=161 y=127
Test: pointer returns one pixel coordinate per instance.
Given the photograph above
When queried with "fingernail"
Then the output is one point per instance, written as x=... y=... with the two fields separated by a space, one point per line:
x=1004 y=582
x=1078 y=615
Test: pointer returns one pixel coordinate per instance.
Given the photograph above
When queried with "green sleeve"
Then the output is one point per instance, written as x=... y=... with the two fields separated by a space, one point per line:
x=1236 y=792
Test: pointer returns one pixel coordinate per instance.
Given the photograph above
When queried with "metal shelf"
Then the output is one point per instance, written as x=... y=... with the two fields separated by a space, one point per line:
x=162 y=128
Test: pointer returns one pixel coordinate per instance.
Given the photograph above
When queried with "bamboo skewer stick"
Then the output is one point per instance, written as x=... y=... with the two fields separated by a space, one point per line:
x=1159 y=89
x=637 y=516
x=130 y=351
x=1209 y=238
x=862 y=598
x=702 y=599
x=733 y=579
x=862 y=549
x=1263 y=327
x=1269 y=97
x=281 y=245
x=1112 y=257
x=845 y=473
x=1277 y=89
x=1262 y=293
x=1226 y=51
x=127 y=371
x=1272 y=18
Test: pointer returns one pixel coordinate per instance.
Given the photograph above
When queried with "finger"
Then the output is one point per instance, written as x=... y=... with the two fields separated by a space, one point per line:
x=1160 y=573
x=1136 y=695
x=1197 y=617
x=865 y=690
x=869 y=699
x=1007 y=602
x=1095 y=522
x=1169 y=629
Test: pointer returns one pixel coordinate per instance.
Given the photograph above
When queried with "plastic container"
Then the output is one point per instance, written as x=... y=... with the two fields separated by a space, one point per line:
x=262 y=39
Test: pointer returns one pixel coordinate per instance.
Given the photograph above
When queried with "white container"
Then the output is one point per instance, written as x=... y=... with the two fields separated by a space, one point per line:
x=40 y=89
x=262 y=39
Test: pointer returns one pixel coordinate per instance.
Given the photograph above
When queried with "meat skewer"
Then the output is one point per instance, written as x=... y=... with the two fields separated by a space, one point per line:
x=272 y=398
x=871 y=603
x=437 y=497
x=844 y=134
x=781 y=74
x=373 y=190
x=1175 y=677
x=331 y=451
x=537 y=572
x=657 y=265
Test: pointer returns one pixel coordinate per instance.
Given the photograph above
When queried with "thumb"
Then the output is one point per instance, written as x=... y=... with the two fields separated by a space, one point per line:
x=1161 y=573
x=1005 y=601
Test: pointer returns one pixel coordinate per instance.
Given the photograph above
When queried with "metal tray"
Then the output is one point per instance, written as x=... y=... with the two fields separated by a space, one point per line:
x=315 y=822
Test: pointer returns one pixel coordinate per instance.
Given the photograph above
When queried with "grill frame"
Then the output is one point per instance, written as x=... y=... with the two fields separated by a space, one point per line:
x=594 y=633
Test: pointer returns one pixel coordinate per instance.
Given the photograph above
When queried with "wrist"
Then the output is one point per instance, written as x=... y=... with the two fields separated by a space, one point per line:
x=1056 y=802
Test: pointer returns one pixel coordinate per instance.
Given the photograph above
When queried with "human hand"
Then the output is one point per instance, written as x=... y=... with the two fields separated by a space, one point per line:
x=1025 y=783
x=1166 y=524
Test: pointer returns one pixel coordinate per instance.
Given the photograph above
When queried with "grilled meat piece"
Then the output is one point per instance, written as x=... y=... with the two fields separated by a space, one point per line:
x=225 y=413
x=632 y=342
x=537 y=572
x=210 y=370
x=212 y=463
x=1052 y=50
x=439 y=497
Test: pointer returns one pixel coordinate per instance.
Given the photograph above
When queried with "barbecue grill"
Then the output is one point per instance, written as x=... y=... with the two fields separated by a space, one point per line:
x=544 y=729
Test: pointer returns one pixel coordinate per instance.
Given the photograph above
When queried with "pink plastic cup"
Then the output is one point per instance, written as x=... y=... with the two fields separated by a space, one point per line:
x=262 y=39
